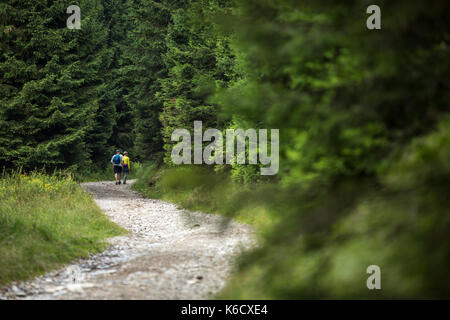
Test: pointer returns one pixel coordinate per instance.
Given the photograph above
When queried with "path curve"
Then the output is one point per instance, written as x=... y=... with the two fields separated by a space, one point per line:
x=170 y=253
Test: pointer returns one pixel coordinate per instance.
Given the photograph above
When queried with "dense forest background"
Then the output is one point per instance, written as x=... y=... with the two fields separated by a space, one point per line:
x=363 y=116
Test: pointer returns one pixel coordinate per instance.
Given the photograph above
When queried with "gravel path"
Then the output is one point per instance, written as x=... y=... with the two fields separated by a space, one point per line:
x=169 y=253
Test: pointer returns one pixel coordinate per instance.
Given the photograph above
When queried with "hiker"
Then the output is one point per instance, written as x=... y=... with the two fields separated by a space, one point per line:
x=126 y=166
x=117 y=163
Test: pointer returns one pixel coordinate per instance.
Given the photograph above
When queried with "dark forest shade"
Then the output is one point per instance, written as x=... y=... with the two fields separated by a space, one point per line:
x=51 y=85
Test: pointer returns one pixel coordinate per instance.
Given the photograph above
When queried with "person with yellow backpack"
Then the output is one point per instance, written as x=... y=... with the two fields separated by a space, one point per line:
x=126 y=166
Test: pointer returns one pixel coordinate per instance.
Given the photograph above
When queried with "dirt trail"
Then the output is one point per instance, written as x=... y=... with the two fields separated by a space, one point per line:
x=169 y=253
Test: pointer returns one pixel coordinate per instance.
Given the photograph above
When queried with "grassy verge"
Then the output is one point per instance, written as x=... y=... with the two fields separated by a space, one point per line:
x=46 y=222
x=92 y=175
x=197 y=188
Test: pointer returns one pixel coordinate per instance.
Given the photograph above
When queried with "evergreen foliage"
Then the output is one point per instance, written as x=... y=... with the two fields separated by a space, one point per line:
x=51 y=84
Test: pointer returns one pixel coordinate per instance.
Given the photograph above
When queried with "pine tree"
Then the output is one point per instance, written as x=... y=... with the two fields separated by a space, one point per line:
x=143 y=72
x=198 y=63
x=363 y=118
x=50 y=83
x=117 y=82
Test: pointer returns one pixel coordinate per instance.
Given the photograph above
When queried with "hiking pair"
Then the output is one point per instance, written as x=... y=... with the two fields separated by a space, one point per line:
x=121 y=163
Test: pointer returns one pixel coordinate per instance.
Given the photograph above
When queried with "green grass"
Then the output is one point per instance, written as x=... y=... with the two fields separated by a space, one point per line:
x=46 y=222
x=147 y=177
x=92 y=175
